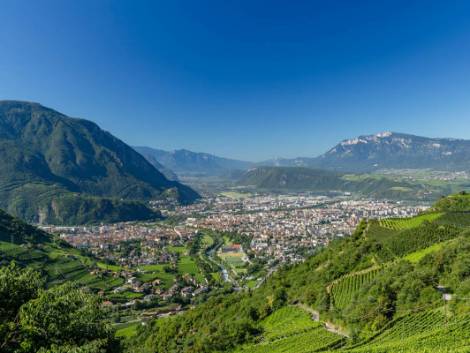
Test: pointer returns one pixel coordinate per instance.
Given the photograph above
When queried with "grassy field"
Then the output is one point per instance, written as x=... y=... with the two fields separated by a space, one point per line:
x=187 y=265
x=109 y=267
x=127 y=330
x=178 y=249
x=151 y=272
x=68 y=264
x=235 y=195
x=232 y=259
x=60 y=265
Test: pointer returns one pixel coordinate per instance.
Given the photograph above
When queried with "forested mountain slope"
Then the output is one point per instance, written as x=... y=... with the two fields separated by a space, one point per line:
x=301 y=179
x=50 y=161
x=380 y=290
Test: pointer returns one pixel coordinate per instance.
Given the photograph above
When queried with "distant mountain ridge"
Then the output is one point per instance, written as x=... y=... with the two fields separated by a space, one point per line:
x=50 y=161
x=184 y=162
x=302 y=179
x=388 y=150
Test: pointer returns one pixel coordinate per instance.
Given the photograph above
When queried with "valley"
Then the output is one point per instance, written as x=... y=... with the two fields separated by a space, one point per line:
x=282 y=258
x=231 y=241
x=234 y=176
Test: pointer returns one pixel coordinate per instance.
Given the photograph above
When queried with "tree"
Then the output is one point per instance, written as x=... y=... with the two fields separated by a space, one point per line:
x=65 y=318
x=17 y=287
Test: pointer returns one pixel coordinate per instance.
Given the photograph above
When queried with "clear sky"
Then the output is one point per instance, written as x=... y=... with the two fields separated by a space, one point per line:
x=247 y=79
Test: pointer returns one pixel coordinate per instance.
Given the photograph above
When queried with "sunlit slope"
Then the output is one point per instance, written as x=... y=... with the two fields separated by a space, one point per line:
x=379 y=290
x=56 y=261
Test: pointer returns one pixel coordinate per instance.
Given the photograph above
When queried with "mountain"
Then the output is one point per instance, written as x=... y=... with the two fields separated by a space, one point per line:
x=51 y=161
x=150 y=155
x=187 y=163
x=389 y=150
x=296 y=179
x=397 y=151
x=291 y=178
x=395 y=285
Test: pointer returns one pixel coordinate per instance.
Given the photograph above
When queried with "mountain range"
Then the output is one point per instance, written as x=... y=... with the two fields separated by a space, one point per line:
x=187 y=163
x=388 y=150
x=57 y=169
x=363 y=154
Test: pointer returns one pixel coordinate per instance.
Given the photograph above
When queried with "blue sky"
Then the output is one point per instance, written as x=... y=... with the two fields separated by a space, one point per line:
x=244 y=79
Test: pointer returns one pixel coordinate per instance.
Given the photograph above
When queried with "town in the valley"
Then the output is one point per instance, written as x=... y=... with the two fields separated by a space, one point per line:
x=231 y=241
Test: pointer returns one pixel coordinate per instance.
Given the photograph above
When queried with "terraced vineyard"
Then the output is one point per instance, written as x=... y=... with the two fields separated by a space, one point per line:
x=314 y=340
x=343 y=291
x=291 y=329
x=407 y=223
x=287 y=321
x=288 y=330
x=58 y=264
x=420 y=333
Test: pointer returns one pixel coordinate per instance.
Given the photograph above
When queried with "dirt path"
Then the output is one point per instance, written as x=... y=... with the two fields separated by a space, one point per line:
x=326 y=324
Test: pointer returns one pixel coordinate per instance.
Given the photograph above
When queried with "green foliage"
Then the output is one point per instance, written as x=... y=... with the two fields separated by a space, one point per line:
x=455 y=203
x=15 y=231
x=210 y=330
x=64 y=318
x=75 y=209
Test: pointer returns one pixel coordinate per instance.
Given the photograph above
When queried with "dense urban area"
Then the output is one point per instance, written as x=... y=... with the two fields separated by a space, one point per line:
x=233 y=240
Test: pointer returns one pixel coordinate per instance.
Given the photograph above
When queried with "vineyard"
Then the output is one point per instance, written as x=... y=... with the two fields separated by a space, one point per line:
x=423 y=332
x=398 y=243
x=291 y=329
x=287 y=321
x=378 y=291
x=342 y=292
x=407 y=223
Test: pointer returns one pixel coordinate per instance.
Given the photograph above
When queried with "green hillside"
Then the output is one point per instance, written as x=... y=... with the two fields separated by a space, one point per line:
x=55 y=260
x=455 y=203
x=44 y=305
x=48 y=159
x=380 y=290
x=297 y=179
